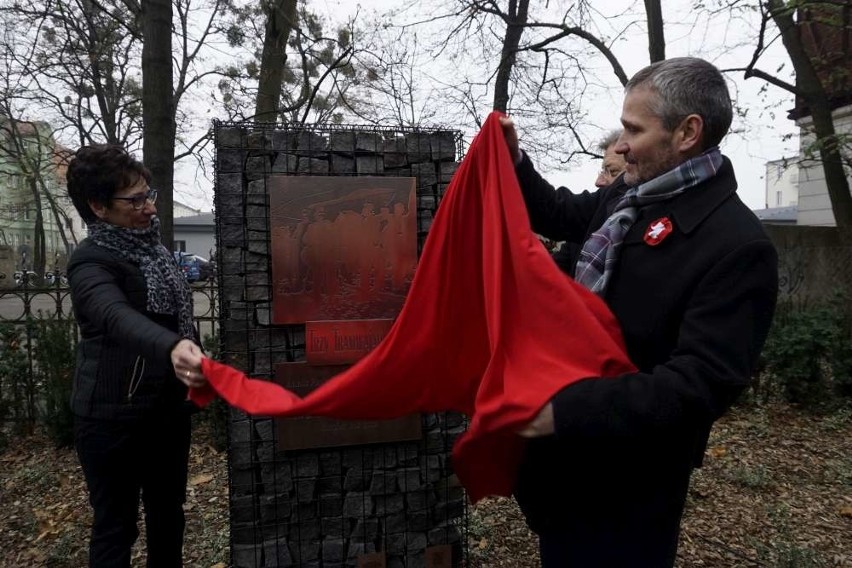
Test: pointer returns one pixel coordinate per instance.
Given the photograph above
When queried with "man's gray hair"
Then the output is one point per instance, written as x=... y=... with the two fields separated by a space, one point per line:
x=608 y=140
x=684 y=86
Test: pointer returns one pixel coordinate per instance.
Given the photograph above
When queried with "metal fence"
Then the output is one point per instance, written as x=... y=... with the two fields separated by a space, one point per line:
x=23 y=308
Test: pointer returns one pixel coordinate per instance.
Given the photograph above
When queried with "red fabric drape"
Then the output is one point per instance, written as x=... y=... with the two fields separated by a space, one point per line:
x=490 y=328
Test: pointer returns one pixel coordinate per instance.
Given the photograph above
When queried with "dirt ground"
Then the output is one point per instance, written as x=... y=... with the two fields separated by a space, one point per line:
x=776 y=491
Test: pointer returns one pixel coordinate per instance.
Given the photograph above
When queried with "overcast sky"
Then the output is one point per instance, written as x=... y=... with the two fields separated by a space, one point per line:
x=752 y=142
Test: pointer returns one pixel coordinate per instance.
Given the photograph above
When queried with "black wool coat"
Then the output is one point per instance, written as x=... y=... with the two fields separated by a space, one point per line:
x=124 y=368
x=694 y=309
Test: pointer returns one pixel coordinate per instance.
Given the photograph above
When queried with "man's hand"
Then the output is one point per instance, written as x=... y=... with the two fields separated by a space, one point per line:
x=511 y=136
x=542 y=425
x=186 y=359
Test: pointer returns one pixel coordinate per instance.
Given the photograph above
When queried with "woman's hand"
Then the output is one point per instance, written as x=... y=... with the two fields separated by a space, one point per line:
x=186 y=359
x=511 y=136
x=541 y=425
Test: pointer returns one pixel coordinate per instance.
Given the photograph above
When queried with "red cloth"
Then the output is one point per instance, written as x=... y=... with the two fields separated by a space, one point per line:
x=490 y=328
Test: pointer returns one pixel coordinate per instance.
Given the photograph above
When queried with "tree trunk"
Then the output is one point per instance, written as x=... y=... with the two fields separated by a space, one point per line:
x=813 y=94
x=280 y=18
x=656 y=35
x=517 y=18
x=158 y=113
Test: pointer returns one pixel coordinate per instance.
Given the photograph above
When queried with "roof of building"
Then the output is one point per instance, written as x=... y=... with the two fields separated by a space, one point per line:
x=778 y=214
x=195 y=220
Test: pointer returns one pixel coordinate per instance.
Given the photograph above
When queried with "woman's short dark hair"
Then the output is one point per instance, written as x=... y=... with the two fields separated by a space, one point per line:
x=97 y=172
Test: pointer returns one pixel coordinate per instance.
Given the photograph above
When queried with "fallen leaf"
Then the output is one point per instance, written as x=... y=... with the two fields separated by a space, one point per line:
x=846 y=511
x=201 y=478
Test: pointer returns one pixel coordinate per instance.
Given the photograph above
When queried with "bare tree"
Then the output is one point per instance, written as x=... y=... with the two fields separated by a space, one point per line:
x=814 y=75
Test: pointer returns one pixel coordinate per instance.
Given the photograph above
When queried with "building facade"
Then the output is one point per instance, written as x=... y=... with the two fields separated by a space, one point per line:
x=35 y=211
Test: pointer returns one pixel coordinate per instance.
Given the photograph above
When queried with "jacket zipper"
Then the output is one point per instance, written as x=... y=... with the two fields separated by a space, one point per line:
x=131 y=390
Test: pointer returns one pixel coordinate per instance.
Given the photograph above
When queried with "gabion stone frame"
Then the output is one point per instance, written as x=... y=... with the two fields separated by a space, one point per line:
x=325 y=507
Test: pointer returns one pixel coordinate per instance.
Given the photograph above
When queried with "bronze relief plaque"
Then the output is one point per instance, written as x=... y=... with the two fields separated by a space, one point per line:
x=304 y=432
x=342 y=247
x=342 y=342
x=439 y=556
x=372 y=560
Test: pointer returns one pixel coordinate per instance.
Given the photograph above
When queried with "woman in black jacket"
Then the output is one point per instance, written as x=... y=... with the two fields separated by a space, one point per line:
x=136 y=357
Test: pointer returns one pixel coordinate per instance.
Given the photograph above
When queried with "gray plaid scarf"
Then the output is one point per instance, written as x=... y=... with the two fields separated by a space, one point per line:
x=600 y=252
x=168 y=290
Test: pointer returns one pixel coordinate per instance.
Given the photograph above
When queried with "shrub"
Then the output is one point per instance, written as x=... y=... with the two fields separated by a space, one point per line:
x=55 y=358
x=808 y=354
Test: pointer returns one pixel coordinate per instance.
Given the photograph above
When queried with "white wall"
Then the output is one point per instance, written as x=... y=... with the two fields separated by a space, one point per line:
x=814 y=204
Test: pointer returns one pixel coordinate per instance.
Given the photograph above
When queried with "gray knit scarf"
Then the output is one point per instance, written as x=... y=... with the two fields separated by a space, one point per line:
x=600 y=252
x=168 y=290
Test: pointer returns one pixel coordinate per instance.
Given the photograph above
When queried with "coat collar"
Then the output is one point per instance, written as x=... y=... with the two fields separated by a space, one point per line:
x=688 y=209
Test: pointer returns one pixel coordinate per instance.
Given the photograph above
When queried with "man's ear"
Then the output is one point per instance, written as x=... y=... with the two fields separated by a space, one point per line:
x=691 y=132
x=98 y=209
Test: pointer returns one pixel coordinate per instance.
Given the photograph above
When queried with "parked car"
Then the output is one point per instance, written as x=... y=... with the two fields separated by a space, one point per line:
x=189 y=264
x=195 y=267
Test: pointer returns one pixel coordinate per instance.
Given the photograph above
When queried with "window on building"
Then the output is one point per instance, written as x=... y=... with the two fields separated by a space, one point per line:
x=180 y=246
x=778 y=197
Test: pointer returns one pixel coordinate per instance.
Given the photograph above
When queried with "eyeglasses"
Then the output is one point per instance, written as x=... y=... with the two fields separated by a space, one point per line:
x=610 y=172
x=139 y=201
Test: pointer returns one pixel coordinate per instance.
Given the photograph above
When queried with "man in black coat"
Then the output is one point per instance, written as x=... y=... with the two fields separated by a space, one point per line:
x=692 y=278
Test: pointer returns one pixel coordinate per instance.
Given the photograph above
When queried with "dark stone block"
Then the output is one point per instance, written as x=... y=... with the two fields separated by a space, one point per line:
x=331 y=505
x=274 y=508
x=257 y=165
x=244 y=509
x=395 y=543
x=229 y=184
x=421 y=499
x=276 y=553
x=354 y=457
x=306 y=489
x=333 y=550
x=395 y=153
x=388 y=504
x=276 y=477
x=307 y=465
x=368 y=142
x=231 y=137
x=356 y=480
x=330 y=463
x=443 y=146
x=232 y=236
x=366 y=530
x=333 y=484
x=431 y=468
x=230 y=161
x=243 y=479
x=370 y=165
x=246 y=556
x=306 y=511
x=342 y=141
x=418 y=147
x=356 y=549
x=382 y=483
x=356 y=505
x=342 y=164
x=257 y=188
x=415 y=541
x=305 y=531
x=425 y=174
x=407 y=454
x=333 y=527
x=244 y=533
x=446 y=171
x=304 y=552
x=445 y=534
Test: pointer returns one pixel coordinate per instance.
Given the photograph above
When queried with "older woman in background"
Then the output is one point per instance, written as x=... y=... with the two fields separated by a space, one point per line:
x=137 y=355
